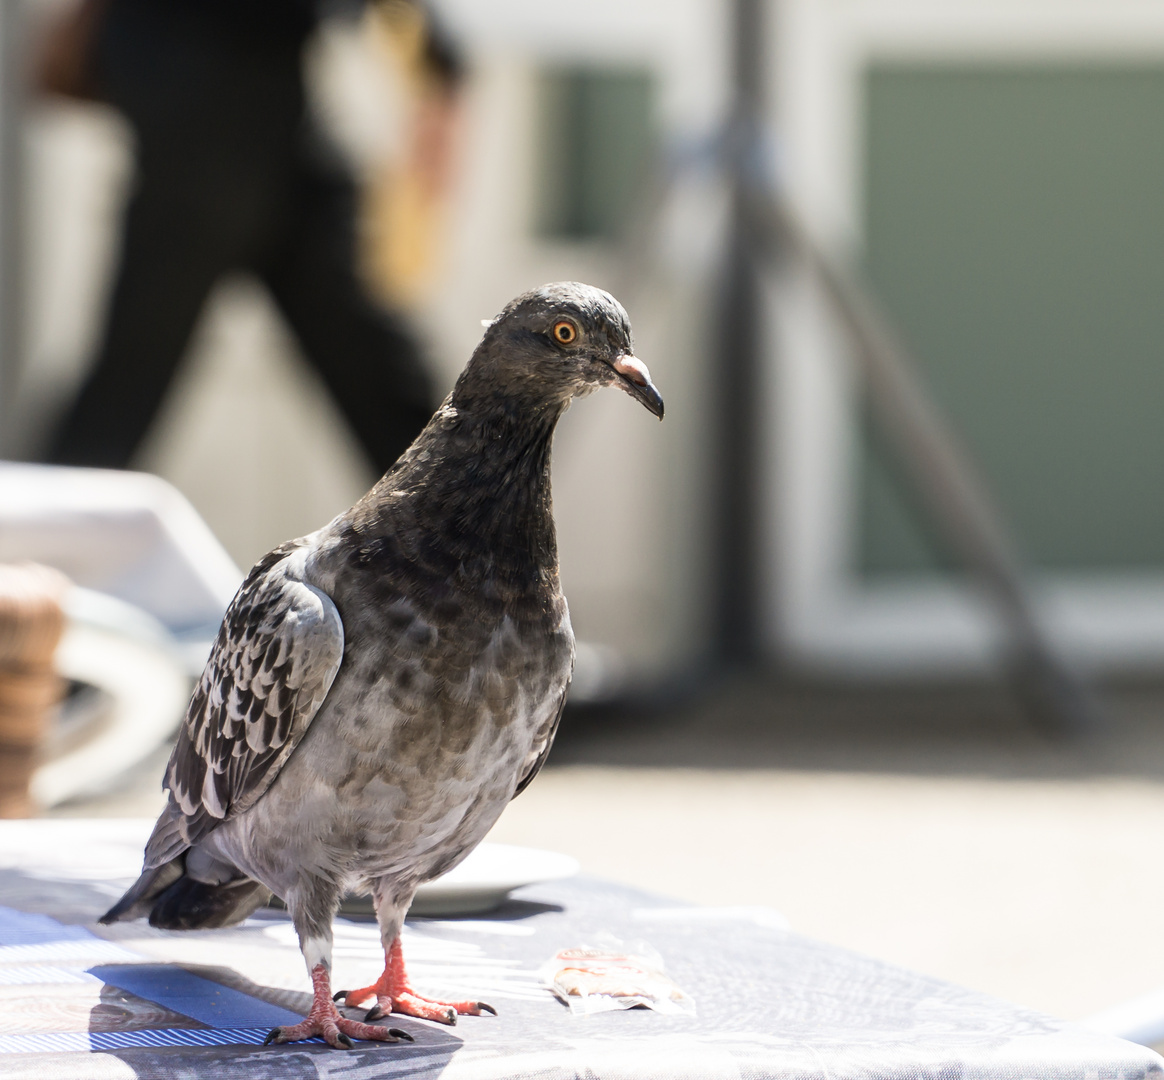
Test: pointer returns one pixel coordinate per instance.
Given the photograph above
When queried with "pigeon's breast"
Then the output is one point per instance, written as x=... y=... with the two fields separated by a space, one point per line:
x=423 y=737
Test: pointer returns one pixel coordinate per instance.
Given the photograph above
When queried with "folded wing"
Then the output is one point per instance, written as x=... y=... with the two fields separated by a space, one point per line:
x=276 y=655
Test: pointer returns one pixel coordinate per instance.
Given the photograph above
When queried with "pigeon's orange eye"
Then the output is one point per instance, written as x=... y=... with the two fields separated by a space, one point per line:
x=565 y=332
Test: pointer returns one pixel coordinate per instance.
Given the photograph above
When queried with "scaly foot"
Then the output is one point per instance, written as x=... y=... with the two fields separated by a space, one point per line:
x=394 y=993
x=325 y=1020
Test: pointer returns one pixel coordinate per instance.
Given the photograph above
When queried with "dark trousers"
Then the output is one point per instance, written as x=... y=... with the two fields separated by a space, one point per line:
x=231 y=178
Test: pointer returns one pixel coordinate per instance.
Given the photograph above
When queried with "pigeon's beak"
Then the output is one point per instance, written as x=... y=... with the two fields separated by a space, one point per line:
x=636 y=381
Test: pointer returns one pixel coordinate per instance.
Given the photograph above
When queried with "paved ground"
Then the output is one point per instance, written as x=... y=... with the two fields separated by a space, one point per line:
x=929 y=827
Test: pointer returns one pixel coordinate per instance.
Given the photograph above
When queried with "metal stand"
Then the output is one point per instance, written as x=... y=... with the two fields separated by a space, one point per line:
x=739 y=358
x=951 y=489
x=13 y=60
x=953 y=494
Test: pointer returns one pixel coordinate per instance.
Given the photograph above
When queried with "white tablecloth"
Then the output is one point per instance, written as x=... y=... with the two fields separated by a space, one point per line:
x=83 y=1001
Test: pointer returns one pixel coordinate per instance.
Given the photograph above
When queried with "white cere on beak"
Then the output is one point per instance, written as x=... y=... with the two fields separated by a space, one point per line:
x=634 y=369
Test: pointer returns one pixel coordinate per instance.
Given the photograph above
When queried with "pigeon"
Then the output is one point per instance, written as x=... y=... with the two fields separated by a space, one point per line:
x=380 y=689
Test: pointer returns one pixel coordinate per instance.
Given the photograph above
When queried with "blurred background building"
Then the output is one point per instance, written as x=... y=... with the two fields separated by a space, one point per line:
x=992 y=168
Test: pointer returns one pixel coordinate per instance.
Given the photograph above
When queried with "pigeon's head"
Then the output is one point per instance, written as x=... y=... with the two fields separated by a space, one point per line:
x=560 y=342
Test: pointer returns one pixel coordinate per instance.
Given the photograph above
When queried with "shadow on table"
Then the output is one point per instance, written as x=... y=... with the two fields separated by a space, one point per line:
x=359 y=909
x=510 y=911
x=154 y=1040
x=146 y=1021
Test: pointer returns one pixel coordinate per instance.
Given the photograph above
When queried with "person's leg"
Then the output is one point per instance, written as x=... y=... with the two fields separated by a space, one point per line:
x=370 y=362
x=215 y=116
x=168 y=266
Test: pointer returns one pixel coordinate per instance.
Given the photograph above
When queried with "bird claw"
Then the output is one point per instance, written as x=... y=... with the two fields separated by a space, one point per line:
x=337 y=1031
x=326 y=1021
x=408 y=1004
x=393 y=993
x=378 y=1012
x=412 y=1004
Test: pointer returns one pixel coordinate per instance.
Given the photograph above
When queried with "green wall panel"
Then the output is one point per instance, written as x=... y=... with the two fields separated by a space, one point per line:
x=1015 y=231
x=593 y=147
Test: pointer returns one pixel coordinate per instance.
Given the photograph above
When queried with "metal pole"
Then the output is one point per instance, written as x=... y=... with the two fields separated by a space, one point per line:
x=12 y=94
x=737 y=356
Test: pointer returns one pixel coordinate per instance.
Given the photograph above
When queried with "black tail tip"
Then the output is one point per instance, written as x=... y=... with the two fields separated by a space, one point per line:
x=112 y=915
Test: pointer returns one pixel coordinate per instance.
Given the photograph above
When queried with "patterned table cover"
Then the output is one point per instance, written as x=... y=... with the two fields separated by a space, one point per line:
x=82 y=1001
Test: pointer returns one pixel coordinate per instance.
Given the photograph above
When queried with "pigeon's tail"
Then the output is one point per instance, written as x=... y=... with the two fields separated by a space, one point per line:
x=189 y=904
x=140 y=896
x=176 y=901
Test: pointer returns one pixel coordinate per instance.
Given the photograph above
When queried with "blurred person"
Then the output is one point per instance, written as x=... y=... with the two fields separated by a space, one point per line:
x=233 y=173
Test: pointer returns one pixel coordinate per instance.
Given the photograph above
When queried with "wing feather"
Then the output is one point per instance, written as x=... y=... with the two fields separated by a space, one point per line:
x=542 y=745
x=272 y=664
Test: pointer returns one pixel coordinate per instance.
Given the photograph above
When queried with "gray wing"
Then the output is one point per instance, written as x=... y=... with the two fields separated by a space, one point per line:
x=276 y=655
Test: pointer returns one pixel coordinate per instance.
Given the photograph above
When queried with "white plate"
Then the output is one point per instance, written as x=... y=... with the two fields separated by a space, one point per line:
x=481 y=883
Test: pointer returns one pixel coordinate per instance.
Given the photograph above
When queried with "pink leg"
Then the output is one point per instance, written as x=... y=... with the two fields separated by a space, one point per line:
x=325 y=1020
x=394 y=993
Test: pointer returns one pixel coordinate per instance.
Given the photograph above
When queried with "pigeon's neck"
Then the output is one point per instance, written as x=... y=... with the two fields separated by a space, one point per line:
x=499 y=471
x=479 y=481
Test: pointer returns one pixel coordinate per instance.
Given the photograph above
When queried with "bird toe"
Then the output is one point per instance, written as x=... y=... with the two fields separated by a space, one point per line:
x=336 y=1030
x=354 y=997
x=353 y=1029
